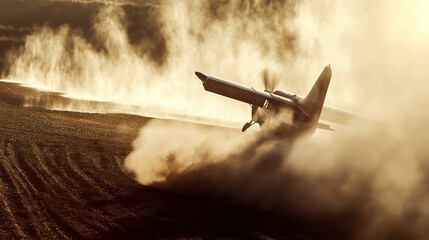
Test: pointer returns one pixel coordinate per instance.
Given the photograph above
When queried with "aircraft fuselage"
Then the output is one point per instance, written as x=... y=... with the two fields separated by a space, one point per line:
x=292 y=111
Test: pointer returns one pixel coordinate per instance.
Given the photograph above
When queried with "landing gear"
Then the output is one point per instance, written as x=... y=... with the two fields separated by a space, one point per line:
x=254 y=116
x=247 y=125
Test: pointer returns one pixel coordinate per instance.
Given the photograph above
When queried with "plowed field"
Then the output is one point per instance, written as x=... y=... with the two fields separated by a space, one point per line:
x=62 y=177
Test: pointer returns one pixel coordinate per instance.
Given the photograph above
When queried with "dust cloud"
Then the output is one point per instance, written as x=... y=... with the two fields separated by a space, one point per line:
x=145 y=55
x=197 y=35
x=368 y=183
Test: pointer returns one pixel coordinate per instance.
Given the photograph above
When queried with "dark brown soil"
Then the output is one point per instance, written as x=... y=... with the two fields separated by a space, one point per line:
x=62 y=177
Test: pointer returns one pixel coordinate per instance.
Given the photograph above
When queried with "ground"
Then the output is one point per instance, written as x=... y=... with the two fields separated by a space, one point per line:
x=62 y=177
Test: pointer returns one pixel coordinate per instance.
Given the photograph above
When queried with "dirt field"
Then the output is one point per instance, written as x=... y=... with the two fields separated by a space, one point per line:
x=62 y=177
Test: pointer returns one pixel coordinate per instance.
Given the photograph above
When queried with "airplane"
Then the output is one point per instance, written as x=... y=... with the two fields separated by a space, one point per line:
x=302 y=113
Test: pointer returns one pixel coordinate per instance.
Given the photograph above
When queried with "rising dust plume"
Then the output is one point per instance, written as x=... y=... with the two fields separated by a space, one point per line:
x=358 y=184
x=371 y=182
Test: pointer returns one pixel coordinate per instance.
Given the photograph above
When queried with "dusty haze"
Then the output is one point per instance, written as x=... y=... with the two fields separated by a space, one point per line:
x=371 y=182
x=147 y=56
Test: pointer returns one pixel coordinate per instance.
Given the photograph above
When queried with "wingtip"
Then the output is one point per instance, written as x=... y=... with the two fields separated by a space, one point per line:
x=201 y=76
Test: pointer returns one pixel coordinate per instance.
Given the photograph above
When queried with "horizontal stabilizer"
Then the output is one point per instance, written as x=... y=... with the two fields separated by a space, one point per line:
x=324 y=126
x=340 y=116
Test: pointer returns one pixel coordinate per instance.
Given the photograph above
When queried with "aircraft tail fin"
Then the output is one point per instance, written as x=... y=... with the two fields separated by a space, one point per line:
x=313 y=102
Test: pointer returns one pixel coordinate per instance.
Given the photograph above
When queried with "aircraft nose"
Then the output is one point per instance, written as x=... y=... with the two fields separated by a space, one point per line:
x=201 y=76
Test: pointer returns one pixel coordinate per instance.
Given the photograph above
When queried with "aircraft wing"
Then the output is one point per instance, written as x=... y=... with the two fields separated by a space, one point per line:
x=238 y=92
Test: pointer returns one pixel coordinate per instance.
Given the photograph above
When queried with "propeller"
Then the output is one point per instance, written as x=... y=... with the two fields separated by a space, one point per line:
x=270 y=82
